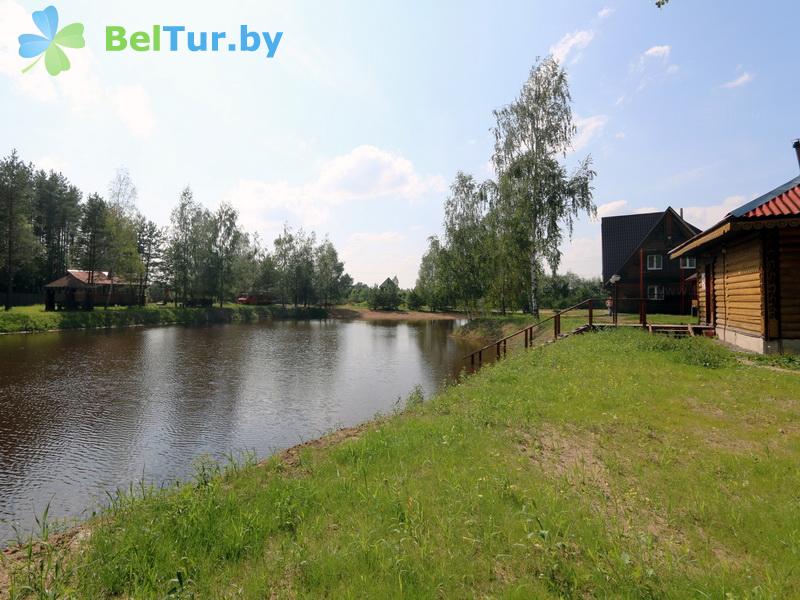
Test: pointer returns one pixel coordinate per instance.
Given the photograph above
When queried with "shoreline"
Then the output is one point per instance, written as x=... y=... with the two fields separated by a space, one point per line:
x=40 y=322
x=153 y=317
x=366 y=314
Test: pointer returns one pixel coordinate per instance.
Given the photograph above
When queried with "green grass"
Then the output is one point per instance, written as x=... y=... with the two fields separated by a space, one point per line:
x=782 y=361
x=491 y=327
x=34 y=318
x=612 y=464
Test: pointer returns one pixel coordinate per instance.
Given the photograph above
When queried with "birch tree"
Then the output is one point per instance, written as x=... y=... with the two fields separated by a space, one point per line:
x=532 y=135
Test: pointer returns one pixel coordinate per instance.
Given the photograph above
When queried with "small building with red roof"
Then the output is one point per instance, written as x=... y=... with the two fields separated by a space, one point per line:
x=748 y=272
x=84 y=289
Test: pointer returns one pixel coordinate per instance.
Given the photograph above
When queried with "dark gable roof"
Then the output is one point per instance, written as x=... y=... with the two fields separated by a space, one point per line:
x=623 y=235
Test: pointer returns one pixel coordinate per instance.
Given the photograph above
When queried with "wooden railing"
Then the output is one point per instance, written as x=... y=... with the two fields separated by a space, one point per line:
x=501 y=346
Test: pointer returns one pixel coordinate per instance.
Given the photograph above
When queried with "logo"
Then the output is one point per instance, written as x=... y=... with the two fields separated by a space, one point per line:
x=50 y=42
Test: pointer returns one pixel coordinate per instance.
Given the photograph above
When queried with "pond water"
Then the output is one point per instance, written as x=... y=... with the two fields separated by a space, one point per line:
x=85 y=412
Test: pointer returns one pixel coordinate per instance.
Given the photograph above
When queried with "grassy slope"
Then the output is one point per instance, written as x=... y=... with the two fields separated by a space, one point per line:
x=34 y=318
x=613 y=464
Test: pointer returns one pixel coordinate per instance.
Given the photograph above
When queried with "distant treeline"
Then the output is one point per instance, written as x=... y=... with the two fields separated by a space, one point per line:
x=48 y=225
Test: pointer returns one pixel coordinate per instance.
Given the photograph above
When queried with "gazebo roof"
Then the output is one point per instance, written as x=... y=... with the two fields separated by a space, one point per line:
x=81 y=279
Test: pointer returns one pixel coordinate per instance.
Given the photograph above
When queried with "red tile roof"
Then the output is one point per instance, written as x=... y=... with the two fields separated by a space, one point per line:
x=82 y=277
x=785 y=204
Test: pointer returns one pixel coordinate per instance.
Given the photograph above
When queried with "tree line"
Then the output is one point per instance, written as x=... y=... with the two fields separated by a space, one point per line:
x=47 y=225
x=502 y=236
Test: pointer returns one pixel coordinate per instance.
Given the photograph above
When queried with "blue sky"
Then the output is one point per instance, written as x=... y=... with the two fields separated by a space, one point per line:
x=358 y=124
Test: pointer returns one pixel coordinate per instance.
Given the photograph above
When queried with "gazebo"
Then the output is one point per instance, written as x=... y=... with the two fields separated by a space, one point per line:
x=81 y=289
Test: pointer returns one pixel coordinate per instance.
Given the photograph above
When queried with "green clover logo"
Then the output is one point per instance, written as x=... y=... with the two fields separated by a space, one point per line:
x=50 y=42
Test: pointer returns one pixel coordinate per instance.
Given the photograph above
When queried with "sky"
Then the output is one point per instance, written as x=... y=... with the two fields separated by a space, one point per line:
x=359 y=122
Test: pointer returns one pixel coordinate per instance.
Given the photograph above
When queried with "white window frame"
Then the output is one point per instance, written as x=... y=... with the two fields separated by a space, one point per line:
x=688 y=262
x=655 y=292
x=658 y=260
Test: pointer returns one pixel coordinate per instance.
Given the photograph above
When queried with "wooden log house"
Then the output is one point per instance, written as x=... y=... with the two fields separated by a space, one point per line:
x=636 y=256
x=748 y=268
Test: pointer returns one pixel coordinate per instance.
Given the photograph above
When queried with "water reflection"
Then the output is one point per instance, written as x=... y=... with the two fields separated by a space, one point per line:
x=85 y=412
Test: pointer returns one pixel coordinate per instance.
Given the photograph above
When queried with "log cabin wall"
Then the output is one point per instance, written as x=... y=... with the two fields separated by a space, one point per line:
x=701 y=289
x=789 y=261
x=738 y=287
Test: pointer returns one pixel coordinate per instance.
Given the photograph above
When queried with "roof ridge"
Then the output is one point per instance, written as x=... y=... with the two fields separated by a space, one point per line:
x=764 y=198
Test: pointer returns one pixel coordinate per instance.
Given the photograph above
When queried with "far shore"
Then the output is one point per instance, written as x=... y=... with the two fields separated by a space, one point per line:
x=365 y=314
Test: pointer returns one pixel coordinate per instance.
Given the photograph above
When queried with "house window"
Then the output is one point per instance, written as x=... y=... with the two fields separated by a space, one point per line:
x=655 y=292
x=655 y=262
x=688 y=263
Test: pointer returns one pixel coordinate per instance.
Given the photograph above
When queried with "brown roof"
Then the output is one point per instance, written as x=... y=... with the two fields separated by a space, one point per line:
x=80 y=279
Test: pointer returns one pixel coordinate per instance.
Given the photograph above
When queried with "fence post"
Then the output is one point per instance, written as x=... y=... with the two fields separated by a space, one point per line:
x=480 y=357
x=590 y=314
x=504 y=347
x=497 y=350
x=556 y=326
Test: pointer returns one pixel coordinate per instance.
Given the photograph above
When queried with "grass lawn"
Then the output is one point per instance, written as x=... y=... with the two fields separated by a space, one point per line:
x=493 y=327
x=613 y=464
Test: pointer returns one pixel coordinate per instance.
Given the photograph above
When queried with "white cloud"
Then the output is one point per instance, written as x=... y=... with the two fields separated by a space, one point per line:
x=657 y=52
x=80 y=86
x=359 y=240
x=52 y=163
x=743 y=79
x=605 y=12
x=575 y=41
x=132 y=105
x=582 y=256
x=372 y=257
x=588 y=128
x=610 y=208
x=365 y=173
x=369 y=172
x=620 y=135
x=652 y=65
x=706 y=216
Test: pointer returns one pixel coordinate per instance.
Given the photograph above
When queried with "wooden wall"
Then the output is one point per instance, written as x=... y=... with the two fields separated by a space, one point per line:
x=738 y=286
x=701 y=289
x=790 y=282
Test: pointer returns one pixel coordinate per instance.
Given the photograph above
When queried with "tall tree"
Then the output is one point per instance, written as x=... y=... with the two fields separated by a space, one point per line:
x=15 y=194
x=180 y=243
x=531 y=135
x=228 y=242
x=56 y=209
x=284 y=251
x=434 y=281
x=466 y=239
x=150 y=239
x=331 y=283
x=122 y=258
